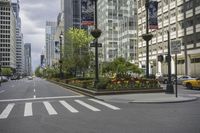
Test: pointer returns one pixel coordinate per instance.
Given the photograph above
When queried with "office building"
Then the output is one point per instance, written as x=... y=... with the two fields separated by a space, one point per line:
x=182 y=19
x=27 y=59
x=118 y=21
x=19 y=40
x=50 y=45
x=7 y=35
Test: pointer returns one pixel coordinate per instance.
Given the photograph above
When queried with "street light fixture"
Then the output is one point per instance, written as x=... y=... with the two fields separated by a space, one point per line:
x=147 y=37
x=96 y=33
x=60 y=61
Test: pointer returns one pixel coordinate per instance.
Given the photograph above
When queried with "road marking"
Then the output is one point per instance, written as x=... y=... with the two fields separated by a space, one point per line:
x=69 y=107
x=34 y=90
x=28 y=109
x=87 y=105
x=2 y=91
x=40 y=98
x=50 y=108
x=34 y=96
x=7 y=111
x=105 y=104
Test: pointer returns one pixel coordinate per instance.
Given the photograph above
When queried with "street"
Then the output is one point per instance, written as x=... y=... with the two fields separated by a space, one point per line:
x=38 y=106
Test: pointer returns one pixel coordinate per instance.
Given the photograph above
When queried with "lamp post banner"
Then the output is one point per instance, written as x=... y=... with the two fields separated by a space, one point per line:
x=87 y=12
x=153 y=18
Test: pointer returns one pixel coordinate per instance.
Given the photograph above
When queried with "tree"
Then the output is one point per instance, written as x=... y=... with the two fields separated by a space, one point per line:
x=38 y=72
x=77 y=57
x=6 y=71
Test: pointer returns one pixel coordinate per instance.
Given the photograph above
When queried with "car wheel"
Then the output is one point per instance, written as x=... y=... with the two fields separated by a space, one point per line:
x=189 y=86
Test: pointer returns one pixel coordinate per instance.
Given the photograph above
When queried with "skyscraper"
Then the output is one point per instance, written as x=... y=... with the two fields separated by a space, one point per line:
x=19 y=40
x=27 y=59
x=7 y=35
x=50 y=44
x=72 y=13
x=118 y=21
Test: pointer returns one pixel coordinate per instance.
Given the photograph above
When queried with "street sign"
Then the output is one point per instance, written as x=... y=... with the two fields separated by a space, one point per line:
x=93 y=44
x=175 y=46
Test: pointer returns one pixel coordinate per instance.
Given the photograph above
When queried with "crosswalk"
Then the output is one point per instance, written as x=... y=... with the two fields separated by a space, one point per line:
x=51 y=110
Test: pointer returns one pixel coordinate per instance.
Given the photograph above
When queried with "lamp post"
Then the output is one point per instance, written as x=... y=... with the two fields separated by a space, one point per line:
x=96 y=33
x=60 y=61
x=147 y=37
x=170 y=87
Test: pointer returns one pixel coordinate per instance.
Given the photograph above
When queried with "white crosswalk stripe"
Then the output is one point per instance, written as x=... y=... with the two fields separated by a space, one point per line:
x=7 y=111
x=105 y=104
x=50 y=108
x=87 y=105
x=28 y=110
x=69 y=107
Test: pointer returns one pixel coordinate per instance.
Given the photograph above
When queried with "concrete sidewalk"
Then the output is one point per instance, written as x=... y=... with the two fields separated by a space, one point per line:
x=147 y=98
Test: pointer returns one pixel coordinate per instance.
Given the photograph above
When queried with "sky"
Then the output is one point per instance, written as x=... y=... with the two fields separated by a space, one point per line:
x=34 y=14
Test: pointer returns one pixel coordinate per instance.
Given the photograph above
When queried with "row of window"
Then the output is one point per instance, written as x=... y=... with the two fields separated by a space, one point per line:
x=5 y=18
x=4 y=27
x=4 y=45
x=4 y=22
x=6 y=31
x=3 y=40
x=4 y=36
x=4 y=13
x=4 y=50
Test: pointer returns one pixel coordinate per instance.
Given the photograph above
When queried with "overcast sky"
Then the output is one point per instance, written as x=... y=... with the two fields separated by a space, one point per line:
x=34 y=14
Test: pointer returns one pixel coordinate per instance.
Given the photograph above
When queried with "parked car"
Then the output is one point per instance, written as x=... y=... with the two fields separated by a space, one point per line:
x=3 y=79
x=164 y=78
x=193 y=83
x=30 y=78
x=181 y=79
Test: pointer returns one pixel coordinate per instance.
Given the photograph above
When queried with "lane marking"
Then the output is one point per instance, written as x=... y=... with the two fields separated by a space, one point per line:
x=50 y=108
x=34 y=90
x=87 y=105
x=2 y=91
x=105 y=104
x=69 y=107
x=28 y=110
x=40 y=98
x=34 y=96
x=7 y=111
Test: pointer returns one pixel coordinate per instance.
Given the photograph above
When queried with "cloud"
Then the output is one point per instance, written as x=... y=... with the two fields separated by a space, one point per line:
x=34 y=14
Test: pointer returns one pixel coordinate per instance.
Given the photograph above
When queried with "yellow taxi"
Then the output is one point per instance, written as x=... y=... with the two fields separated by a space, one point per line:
x=190 y=84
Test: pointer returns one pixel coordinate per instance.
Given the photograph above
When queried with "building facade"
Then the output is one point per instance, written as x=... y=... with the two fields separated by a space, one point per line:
x=182 y=19
x=27 y=59
x=72 y=13
x=7 y=35
x=118 y=21
x=19 y=40
x=50 y=45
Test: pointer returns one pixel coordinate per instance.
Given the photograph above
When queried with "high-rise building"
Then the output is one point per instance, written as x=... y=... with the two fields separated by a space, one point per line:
x=27 y=59
x=182 y=19
x=7 y=35
x=118 y=21
x=72 y=13
x=19 y=40
x=50 y=44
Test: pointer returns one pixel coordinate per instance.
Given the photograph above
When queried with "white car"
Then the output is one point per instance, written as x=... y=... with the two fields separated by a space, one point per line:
x=30 y=78
x=183 y=78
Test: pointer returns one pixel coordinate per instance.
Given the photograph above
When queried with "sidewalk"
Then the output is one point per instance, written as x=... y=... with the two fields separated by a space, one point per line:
x=147 y=98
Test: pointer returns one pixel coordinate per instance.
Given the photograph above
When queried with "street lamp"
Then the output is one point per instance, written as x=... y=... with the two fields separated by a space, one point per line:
x=60 y=61
x=96 y=33
x=147 y=37
x=169 y=87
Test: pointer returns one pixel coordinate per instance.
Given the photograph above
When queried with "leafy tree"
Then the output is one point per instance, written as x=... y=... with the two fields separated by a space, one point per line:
x=6 y=71
x=38 y=72
x=77 y=56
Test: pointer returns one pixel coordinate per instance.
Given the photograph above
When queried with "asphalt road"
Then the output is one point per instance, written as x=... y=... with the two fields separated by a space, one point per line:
x=37 y=106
